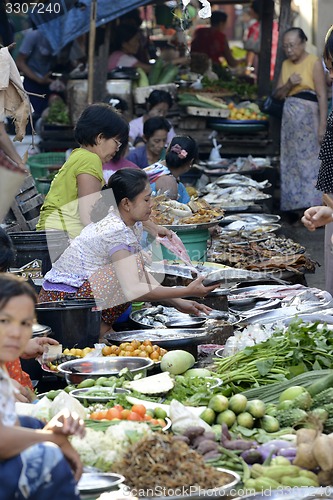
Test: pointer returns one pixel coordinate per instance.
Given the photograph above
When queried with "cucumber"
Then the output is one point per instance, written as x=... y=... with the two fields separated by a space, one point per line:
x=325 y=382
x=156 y=71
x=168 y=75
x=143 y=80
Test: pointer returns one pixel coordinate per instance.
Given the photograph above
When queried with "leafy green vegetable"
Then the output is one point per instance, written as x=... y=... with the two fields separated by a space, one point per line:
x=300 y=348
x=58 y=113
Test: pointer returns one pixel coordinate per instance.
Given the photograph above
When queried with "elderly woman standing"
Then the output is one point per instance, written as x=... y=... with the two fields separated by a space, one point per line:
x=302 y=85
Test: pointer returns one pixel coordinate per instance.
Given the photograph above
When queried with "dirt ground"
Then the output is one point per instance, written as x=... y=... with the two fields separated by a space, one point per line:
x=314 y=244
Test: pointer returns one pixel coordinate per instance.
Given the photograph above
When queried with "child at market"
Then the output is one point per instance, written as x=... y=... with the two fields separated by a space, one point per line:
x=105 y=261
x=164 y=175
x=36 y=461
x=35 y=347
x=101 y=132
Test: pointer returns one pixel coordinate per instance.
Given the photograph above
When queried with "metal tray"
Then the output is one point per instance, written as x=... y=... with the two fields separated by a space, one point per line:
x=173 y=316
x=253 y=218
x=83 y=394
x=96 y=482
x=164 y=337
x=252 y=228
x=191 y=227
x=186 y=323
x=304 y=493
x=201 y=493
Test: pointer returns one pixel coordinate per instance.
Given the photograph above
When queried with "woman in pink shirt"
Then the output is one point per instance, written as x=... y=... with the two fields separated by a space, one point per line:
x=125 y=46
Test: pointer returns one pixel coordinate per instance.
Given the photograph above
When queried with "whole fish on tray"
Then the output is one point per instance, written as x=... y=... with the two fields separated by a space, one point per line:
x=236 y=275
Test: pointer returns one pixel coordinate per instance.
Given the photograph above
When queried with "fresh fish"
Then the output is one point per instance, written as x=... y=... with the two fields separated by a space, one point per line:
x=162 y=318
x=145 y=320
x=158 y=324
x=151 y=311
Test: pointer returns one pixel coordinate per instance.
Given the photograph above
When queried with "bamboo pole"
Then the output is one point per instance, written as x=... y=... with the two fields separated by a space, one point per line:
x=91 y=52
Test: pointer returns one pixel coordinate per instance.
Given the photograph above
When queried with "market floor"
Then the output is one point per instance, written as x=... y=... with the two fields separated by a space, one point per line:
x=314 y=244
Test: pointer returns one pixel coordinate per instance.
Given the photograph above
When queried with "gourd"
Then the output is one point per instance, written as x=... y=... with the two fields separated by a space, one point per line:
x=177 y=362
x=156 y=384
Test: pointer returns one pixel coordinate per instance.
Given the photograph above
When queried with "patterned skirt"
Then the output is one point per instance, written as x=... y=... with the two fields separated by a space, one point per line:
x=103 y=286
x=299 y=154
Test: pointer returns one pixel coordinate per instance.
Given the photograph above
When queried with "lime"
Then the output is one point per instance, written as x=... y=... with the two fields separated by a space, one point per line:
x=218 y=403
x=227 y=417
x=208 y=416
x=245 y=419
x=237 y=403
x=160 y=413
x=150 y=412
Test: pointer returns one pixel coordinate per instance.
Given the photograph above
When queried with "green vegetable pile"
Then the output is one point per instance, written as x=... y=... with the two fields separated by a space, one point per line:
x=191 y=391
x=234 y=85
x=58 y=113
x=300 y=348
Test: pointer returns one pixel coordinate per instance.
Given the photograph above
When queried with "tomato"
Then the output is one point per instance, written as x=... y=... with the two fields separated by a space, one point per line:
x=161 y=422
x=147 y=417
x=140 y=409
x=134 y=416
x=124 y=414
x=95 y=415
x=118 y=407
x=113 y=413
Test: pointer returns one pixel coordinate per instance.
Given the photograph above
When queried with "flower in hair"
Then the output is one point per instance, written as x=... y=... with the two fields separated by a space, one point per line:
x=181 y=153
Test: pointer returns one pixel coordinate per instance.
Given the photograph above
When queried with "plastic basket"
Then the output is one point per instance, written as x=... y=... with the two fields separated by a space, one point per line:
x=42 y=165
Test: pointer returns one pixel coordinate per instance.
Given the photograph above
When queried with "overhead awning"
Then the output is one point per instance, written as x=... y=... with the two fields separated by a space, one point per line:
x=61 y=21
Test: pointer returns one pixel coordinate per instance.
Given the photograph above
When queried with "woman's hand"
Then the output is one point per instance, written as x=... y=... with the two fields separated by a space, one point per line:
x=23 y=394
x=156 y=230
x=197 y=289
x=36 y=347
x=316 y=217
x=295 y=79
x=191 y=307
x=67 y=424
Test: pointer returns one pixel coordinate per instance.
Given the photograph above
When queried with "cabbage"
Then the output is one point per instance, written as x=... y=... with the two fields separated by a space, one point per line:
x=41 y=410
x=64 y=400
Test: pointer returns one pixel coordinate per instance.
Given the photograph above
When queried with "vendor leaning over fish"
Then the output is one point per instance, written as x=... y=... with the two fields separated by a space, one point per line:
x=105 y=261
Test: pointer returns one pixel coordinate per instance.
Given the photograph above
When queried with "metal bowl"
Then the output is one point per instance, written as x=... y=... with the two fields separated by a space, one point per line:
x=77 y=370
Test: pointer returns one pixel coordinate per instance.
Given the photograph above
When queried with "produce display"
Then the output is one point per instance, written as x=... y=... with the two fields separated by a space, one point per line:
x=162 y=459
x=143 y=349
x=246 y=250
x=275 y=434
x=245 y=111
x=171 y=212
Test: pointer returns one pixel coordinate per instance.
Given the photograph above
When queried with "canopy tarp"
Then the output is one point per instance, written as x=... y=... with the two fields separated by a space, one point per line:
x=62 y=21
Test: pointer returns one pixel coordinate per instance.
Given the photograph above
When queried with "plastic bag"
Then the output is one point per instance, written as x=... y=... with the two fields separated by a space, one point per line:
x=182 y=418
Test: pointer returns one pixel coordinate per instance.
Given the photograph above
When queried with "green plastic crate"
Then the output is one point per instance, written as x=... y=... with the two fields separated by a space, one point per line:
x=42 y=166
